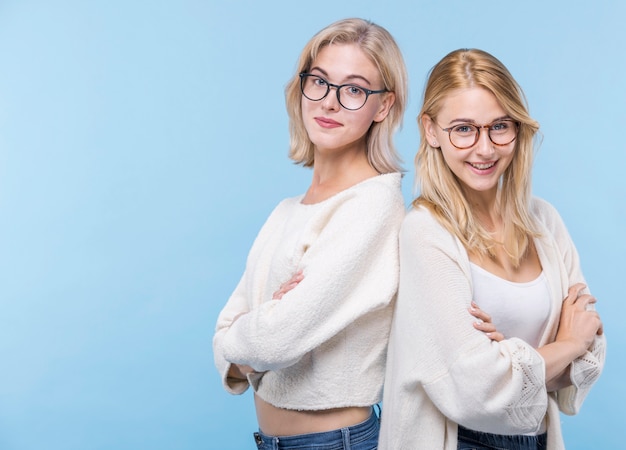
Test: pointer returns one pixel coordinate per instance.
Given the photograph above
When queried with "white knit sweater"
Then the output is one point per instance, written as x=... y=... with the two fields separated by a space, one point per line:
x=442 y=372
x=324 y=344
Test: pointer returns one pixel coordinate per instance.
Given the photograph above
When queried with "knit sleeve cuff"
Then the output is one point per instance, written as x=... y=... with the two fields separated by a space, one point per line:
x=584 y=372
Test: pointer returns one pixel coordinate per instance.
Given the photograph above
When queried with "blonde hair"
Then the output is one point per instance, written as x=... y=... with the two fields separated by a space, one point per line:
x=441 y=191
x=381 y=48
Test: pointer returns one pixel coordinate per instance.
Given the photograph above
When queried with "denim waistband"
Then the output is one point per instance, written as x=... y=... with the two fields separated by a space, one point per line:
x=326 y=440
x=500 y=441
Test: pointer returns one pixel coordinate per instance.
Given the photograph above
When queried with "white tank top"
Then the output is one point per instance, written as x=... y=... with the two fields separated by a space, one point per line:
x=518 y=310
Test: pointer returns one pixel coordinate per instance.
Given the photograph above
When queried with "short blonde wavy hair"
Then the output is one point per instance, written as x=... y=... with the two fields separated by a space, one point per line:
x=378 y=44
x=441 y=191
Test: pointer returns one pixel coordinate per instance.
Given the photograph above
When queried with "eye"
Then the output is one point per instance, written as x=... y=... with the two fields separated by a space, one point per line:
x=464 y=129
x=319 y=81
x=501 y=126
x=353 y=90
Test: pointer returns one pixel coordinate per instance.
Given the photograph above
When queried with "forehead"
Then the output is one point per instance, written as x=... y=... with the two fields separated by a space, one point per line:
x=345 y=62
x=474 y=104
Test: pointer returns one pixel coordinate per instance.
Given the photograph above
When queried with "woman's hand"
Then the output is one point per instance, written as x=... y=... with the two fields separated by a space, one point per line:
x=289 y=285
x=578 y=326
x=579 y=323
x=484 y=323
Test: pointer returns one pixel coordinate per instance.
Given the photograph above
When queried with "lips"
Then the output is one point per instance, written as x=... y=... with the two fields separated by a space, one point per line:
x=325 y=122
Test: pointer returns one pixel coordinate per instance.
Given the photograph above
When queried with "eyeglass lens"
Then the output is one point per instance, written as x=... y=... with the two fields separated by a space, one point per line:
x=350 y=96
x=500 y=133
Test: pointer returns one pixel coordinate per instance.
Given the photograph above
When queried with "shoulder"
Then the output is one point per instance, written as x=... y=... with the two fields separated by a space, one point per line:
x=421 y=217
x=386 y=187
x=364 y=211
x=379 y=195
x=541 y=208
x=421 y=223
x=280 y=213
x=545 y=214
x=286 y=206
x=421 y=228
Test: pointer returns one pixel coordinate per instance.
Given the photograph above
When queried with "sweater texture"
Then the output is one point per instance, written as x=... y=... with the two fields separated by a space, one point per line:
x=323 y=345
x=442 y=371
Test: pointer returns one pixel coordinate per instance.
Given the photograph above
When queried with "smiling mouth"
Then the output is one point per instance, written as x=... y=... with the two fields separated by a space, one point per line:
x=483 y=166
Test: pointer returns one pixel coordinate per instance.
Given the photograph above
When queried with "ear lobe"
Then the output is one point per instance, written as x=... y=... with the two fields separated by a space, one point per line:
x=385 y=107
x=429 y=131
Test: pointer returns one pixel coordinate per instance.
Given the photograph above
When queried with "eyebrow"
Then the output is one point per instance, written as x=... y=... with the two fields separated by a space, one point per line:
x=461 y=120
x=349 y=78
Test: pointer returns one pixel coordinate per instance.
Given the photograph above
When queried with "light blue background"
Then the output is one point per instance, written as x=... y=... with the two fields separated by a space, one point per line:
x=142 y=145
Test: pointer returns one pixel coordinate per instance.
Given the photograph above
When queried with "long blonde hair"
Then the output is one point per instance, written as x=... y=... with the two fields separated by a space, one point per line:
x=440 y=190
x=378 y=44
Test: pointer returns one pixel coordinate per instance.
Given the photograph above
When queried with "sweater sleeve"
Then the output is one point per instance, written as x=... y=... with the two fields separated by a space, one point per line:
x=238 y=304
x=585 y=370
x=496 y=387
x=235 y=306
x=350 y=269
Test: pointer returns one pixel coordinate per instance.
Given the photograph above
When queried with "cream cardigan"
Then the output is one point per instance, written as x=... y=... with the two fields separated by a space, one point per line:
x=324 y=344
x=442 y=372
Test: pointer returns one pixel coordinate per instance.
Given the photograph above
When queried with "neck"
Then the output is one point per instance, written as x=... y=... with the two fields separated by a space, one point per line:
x=485 y=209
x=333 y=175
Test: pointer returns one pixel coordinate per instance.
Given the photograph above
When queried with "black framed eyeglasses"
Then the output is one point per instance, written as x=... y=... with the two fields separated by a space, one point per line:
x=349 y=96
x=501 y=132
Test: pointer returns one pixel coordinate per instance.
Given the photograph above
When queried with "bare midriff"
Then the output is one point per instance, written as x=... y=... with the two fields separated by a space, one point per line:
x=275 y=421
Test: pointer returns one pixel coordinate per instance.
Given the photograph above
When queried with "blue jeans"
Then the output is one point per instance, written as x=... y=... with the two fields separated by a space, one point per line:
x=363 y=436
x=477 y=440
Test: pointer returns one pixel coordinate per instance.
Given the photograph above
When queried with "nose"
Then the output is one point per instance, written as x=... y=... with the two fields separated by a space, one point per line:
x=484 y=146
x=331 y=101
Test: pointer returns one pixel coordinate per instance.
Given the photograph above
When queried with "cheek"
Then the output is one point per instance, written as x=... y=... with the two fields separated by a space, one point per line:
x=304 y=105
x=306 y=112
x=366 y=117
x=452 y=157
x=508 y=155
x=367 y=121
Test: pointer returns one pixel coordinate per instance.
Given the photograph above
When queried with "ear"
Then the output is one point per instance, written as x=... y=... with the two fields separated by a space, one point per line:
x=387 y=102
x=430 y=131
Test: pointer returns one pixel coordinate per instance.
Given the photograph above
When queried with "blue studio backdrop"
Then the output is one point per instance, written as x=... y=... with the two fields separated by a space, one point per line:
x=143 y=144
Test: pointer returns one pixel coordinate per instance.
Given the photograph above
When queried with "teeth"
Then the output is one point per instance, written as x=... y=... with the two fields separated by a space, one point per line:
x=482 y=166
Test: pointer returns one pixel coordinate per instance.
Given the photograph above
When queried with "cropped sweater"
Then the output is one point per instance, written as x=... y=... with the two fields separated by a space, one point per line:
x=442 y=371
x=323 y=345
